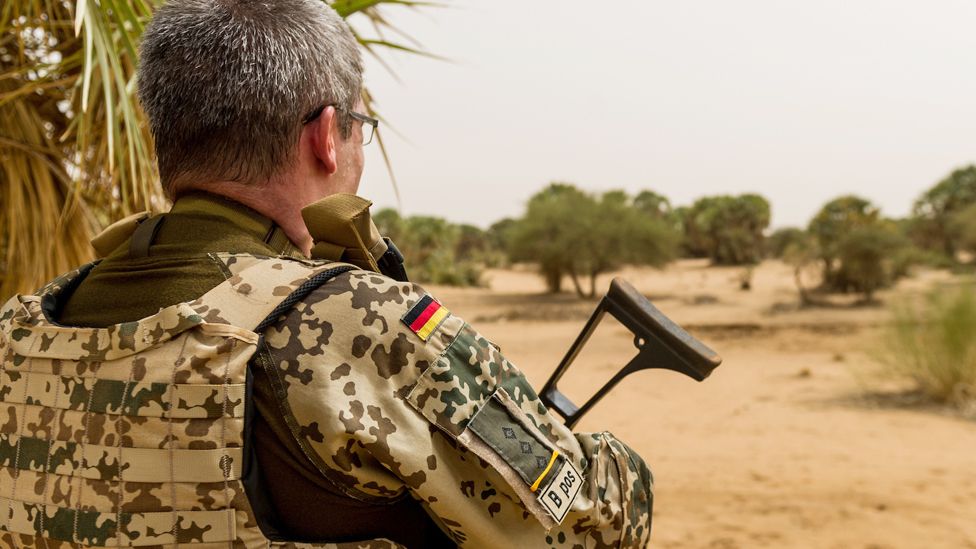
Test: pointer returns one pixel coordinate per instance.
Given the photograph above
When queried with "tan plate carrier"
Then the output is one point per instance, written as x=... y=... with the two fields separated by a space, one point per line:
x=133 y=435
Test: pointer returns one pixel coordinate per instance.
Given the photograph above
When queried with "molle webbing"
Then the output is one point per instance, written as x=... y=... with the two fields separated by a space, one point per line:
x=133 y=435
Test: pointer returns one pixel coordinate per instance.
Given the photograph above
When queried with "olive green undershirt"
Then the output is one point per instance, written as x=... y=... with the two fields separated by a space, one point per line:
x=179 y=269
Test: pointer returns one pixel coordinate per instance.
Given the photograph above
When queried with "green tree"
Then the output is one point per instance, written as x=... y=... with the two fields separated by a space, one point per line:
x=75 y=146
x=569 y=232
x=472 y=243
x=727 y=229
x=858 y=249
x=781 y=239
x=934 y=211
x=389 y=223
x=500 y=233
x=550 y=230
x=654 y=205
x=962 y=228
x=619 y=233
x=695 y=239
x=835 y=220
x=800 y=253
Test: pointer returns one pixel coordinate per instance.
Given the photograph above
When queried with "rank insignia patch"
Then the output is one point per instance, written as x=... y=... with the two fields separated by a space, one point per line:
x=425 y=317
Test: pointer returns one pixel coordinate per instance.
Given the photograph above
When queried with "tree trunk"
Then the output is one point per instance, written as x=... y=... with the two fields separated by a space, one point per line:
x=554 y=280
x=798 y=279
x=950 y=248
x=576 y=283
x=869 y=296
x=593 y=284
x=828 y=274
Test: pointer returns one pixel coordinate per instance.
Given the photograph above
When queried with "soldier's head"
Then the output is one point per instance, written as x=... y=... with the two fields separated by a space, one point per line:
x=251 y=94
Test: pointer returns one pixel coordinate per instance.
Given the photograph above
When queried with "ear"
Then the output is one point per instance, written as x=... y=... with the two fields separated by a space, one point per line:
x=324 y=132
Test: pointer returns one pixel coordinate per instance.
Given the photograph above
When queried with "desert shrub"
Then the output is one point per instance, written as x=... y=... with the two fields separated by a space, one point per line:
x=934 y=344
x=476 y=246
x=865 y=256
x=430 y=246
x=858 y=249
x=435 y=250
x=499 y=233
x=910 y=255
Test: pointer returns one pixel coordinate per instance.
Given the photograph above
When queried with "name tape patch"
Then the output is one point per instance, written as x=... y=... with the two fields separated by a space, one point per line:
x=544 y=470
x=559 y=495
x=425 y=317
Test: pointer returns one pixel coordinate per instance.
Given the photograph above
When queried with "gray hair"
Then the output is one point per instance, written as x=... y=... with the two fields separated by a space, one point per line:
x=226 y=83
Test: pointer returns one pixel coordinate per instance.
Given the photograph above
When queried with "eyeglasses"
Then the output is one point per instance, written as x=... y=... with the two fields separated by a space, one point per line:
x=369 y=123
x=369 y=126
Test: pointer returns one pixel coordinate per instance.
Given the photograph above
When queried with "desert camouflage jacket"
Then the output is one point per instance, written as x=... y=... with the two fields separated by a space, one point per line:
x=388 y=394
x=391 y=394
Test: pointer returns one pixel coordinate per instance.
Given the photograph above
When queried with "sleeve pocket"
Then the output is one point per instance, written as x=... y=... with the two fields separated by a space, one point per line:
x=472 y=394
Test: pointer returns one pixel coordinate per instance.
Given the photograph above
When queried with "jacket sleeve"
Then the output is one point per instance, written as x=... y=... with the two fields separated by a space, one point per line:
x=391 y=396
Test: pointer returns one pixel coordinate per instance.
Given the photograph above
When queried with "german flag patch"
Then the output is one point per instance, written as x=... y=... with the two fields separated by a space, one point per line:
x=425 y=317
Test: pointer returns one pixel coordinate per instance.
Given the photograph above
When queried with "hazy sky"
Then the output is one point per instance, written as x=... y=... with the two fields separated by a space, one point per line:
x=798 y=101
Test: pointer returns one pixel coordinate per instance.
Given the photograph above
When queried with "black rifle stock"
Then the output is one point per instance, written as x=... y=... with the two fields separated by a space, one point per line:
x=660 y=344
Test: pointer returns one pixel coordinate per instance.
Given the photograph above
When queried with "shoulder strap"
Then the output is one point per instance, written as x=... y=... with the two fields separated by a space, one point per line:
x=257 y=295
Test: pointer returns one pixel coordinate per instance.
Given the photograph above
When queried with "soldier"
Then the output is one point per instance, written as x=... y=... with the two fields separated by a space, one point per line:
x=212 y=382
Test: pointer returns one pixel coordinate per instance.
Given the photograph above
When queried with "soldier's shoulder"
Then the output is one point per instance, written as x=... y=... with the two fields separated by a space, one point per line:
x=359 y=305
x=360 y=287
x=378 y=302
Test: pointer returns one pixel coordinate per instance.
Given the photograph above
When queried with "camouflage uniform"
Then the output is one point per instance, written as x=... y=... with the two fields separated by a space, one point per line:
x=134 y=434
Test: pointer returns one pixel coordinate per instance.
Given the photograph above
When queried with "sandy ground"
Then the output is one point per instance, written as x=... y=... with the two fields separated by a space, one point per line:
x=794 y=441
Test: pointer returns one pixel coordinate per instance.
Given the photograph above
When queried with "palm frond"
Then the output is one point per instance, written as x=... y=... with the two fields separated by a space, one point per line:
x=46 y=227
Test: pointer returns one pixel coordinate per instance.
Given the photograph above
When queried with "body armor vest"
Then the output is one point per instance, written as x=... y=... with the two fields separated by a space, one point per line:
x=136 y=435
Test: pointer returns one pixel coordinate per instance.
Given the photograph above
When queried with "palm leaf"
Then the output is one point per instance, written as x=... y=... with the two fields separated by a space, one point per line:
x=40 y=208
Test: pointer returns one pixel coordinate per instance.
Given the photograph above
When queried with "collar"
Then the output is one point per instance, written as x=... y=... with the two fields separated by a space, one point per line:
x=245 y=219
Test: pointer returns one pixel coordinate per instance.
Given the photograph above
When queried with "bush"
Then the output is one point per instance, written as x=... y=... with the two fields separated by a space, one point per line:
x=859 y=250
x=864 y=255
x=435 y=250
x=910 y=256
x=935 y=345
